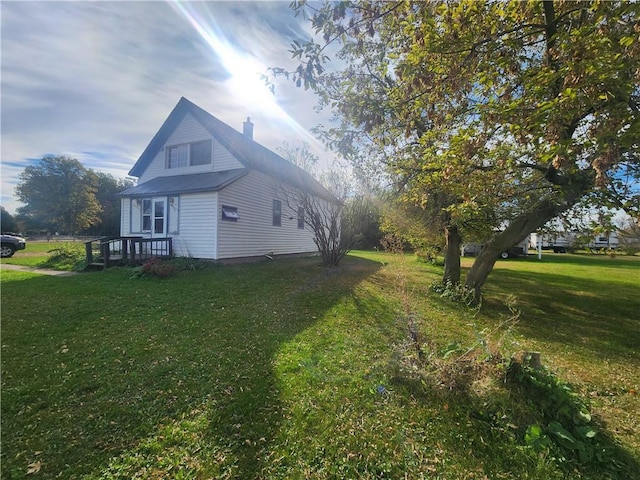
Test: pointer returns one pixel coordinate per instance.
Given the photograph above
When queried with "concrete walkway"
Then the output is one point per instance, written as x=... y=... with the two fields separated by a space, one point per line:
x=40 y=271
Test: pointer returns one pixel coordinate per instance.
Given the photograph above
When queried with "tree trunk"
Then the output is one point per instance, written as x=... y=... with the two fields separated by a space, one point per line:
x=516 y=232
x=452 y=255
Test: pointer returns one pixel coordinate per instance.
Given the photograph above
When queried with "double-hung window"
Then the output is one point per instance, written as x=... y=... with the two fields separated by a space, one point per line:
x=177 y=156
x=188 y=154
x=146 y=215
x=201 y=153
x=277 y=213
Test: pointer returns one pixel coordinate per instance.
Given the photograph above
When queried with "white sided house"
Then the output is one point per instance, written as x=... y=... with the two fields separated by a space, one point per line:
x=217 y=193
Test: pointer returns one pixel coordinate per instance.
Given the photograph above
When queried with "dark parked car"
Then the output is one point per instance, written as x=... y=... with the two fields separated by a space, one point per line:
x=10 y=244
x=473 y=249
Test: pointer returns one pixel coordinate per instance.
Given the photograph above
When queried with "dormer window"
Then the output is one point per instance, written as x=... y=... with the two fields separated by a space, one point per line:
x=188 y=154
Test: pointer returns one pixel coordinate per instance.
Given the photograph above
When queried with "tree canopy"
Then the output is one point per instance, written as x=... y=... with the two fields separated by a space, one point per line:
x=107 y=187
x=512 y=111
x=9 y=224
x=60 y=194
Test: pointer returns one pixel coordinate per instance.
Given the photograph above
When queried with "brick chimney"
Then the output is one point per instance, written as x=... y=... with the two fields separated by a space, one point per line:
x=247 y=128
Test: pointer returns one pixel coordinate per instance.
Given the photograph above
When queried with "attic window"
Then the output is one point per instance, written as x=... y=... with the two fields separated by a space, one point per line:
x=188 y=154
x=230 y=213
x=201 y=153
x=177 y=156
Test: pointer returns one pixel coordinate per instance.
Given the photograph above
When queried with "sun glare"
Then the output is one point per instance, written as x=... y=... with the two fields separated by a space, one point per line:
x=245 y=71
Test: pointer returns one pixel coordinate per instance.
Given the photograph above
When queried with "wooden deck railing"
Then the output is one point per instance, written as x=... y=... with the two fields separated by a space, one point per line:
x=109 y=251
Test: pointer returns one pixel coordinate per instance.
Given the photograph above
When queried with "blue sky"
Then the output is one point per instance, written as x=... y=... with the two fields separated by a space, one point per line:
x=95 y=81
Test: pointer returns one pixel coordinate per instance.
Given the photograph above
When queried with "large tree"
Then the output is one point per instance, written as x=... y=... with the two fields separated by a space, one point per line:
x=107 y=188
x=7 y=221
x=60 y=193
x=519 y=108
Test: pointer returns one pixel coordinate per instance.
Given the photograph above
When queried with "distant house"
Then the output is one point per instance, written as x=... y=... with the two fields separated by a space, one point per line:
x=216 y=192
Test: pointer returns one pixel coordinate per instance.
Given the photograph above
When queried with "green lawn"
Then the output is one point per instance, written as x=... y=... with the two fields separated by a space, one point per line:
x=37 y=252
x=289 y=370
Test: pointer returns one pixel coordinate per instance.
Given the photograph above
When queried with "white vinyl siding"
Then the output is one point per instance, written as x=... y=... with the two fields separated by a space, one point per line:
x=136 y=216
x=254 y=234
x=188 y=131
x=191 y=223
x=174 y=216
x=125 y=216
x=223 y=159
x=154 y=170
x=197 y=216
x=195 y=222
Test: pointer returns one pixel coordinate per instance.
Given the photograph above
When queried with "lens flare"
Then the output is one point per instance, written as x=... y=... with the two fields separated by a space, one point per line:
x=244 y=69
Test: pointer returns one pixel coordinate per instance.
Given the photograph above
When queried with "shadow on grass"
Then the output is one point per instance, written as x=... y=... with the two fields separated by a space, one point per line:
x=484 y=420
x=587 y=313
x=593 y=315
x=105 y=376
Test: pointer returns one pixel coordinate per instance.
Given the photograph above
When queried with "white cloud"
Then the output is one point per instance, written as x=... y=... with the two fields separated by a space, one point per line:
x=96 y=80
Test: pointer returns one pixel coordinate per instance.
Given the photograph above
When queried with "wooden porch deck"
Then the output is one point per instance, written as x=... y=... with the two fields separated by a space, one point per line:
x=110 y=251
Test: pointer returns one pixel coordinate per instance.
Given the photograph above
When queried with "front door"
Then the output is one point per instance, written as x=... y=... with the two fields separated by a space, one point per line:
x=159 y=217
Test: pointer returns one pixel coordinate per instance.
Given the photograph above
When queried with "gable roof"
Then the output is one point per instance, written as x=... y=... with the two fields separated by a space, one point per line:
x=250 y=153
x=203 y=182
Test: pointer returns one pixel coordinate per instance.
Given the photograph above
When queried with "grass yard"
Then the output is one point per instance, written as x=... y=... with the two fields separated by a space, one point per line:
x=37 y=252
x=287 y=370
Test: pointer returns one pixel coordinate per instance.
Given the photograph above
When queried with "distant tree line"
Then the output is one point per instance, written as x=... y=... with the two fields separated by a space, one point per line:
x=61 y=195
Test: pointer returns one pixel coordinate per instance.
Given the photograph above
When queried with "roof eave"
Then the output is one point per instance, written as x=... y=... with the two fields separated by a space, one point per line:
x=236 y=143
x=177 y=191
x=158 y=140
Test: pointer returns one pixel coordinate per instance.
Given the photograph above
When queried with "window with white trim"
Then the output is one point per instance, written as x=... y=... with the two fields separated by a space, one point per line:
x=277 y=213
x=146 y=215
x=158 y=216
x=301 y=217
x=188 y=154
x=201 y=153
x=230 y=214
x=177 y=156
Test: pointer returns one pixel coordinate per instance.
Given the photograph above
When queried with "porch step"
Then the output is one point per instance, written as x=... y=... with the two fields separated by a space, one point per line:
x=94 y=266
